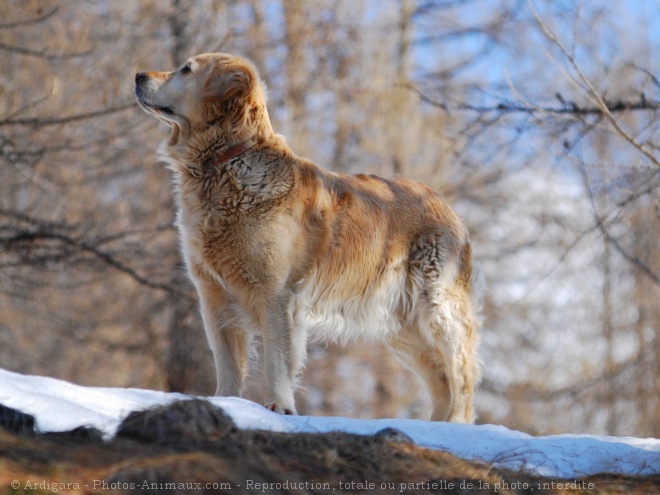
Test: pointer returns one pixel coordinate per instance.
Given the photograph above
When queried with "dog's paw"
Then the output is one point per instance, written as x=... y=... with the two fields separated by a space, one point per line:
x=275 y=407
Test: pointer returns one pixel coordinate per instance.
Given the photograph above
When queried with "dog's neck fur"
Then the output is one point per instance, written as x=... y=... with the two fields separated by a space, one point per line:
x=199 y=145
x=214 y=162
x=202 y=158
x=242 y=178
x=232 y=152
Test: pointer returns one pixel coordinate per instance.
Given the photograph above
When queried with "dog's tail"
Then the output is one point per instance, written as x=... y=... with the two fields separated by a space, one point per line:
x=472 y=276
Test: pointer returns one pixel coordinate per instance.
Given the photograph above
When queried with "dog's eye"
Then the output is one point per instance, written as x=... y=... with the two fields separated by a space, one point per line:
x=186 y=69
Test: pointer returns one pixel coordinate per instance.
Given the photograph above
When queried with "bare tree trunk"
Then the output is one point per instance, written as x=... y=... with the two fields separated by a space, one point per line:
x=177 y=21
x=181 y=334
x=646 y=386
x=403 y=95
x=611 y=396
x=298 y=77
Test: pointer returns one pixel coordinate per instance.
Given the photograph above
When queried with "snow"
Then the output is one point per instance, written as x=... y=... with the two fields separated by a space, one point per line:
x=58 y=406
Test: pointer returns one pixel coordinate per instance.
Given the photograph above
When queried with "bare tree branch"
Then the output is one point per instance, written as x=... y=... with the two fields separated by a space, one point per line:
x=43 y=122
x=600 y=100
x=639 y=264
x=21 y=241
x=41 y=53
x=32 y=20
x=602 y=227
x=567 y=108
x=578 y=389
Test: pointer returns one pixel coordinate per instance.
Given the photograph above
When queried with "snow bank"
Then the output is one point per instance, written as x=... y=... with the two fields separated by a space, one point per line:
x=58 y=406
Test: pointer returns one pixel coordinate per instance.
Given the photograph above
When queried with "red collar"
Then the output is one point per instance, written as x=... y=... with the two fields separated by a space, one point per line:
x=232 y=152
x=216 y=161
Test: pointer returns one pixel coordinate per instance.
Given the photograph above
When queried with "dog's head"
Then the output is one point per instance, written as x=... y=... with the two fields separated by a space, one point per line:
x=211 y=93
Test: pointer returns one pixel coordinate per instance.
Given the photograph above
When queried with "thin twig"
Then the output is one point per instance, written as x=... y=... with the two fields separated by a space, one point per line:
x=602 y=227
x=41 y=53
x=32 y=20
x=569 y=108
x=602 y=104
x=43 y=122
x=42 y=230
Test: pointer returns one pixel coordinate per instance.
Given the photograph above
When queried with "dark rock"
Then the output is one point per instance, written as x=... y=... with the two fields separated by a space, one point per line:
x=393 y=435
x=15 y=421
x=79 y=435
x=180 y=422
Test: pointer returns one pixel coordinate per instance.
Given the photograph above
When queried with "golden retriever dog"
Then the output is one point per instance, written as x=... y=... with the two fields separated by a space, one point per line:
x=280 y=247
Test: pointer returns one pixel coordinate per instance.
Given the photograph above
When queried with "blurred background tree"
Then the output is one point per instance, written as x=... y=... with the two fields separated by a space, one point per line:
x=537 y=120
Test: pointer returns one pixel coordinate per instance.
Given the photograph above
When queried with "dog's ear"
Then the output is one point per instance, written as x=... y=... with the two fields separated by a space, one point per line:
x=226 y=83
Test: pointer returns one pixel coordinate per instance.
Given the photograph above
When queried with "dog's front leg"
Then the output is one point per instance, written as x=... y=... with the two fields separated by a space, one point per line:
x=281 y=361
x=227 y=340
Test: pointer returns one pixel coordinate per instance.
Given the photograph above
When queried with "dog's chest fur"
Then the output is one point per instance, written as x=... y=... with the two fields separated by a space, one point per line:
x=224 y=218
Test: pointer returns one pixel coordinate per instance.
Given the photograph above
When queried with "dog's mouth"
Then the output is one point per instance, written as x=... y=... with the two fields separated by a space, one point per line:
x=142 y=99
x=165 y=110
x=164 y=113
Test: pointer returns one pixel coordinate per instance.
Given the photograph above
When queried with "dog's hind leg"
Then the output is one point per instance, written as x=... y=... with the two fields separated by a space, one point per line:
x=441 y=265
x=451 y=371
x=413 y=351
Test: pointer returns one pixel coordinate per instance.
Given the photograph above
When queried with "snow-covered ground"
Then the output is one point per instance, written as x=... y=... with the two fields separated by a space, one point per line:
x=58 y=405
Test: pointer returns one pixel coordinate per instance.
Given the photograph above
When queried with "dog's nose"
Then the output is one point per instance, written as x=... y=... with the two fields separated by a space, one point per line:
x=140 y=76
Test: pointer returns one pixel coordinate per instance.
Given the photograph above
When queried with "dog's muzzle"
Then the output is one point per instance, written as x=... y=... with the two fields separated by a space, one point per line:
x=143 y=94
